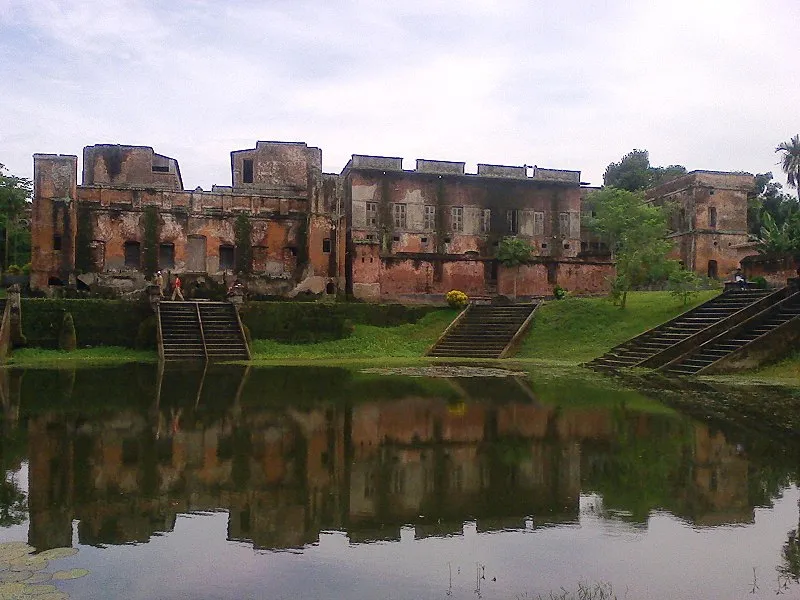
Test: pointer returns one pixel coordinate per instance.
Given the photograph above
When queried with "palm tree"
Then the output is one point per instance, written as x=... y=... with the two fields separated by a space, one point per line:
x=790 y=161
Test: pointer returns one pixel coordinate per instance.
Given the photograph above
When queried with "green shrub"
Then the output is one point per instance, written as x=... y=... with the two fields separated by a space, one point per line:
x=97 y=322
x=66 y=337
x=759 y=282
x=305 y=322
x=14 y=270
x=147 y=335
x=559 y=293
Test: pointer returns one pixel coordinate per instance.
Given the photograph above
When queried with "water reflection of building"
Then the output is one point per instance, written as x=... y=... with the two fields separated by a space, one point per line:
x=367 y=467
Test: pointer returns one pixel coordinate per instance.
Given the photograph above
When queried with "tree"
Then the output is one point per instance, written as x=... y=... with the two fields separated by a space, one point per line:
x=635 y=232
x=768 y=197
x=14 y=194
x=683 y=284
x=513 y=252
x=779 y=238
x=634 y=172
x=790 y=161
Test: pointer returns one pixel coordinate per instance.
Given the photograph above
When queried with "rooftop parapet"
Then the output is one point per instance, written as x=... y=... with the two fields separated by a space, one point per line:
x=560 y=175
x=504 y=171
x=382 y=163
x=440 y=167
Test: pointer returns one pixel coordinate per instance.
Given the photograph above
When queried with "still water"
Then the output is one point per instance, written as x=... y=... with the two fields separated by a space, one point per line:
x=290 y=482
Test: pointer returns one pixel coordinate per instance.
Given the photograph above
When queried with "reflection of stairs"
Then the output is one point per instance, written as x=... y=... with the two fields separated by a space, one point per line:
x=756 y=329
x=484 y=331
x=200 y=330
x=649 y=345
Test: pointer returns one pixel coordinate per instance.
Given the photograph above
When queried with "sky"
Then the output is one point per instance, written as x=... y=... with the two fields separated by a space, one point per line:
x=569 y=84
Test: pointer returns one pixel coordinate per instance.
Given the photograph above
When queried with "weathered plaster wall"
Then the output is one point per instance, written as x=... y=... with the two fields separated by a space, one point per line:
x=775 y=268
x=121 y=166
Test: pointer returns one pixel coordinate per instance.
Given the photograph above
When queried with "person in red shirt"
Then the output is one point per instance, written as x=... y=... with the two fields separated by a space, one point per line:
x=176 y=289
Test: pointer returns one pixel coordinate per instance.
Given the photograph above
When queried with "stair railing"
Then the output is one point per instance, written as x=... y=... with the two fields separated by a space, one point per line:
x=241 y=331
x=160 y=334
x=519 y=335
x=452 y=325
x=202 y=333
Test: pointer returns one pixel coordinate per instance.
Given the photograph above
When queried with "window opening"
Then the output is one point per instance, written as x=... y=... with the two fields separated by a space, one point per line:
x=712 y=217
x=132 y=254
x=57 y=242
x=457 y=218
x=486 y=220
x=247 y=170
x=429 y=217
x=372 y=214
x=227 y=259
x=512 y=219
x=166 y=256
x=538 y=222
x=326 y=245
x=400 y=216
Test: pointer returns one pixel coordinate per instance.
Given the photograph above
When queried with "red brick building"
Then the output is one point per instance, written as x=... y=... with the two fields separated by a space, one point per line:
x=376 y=230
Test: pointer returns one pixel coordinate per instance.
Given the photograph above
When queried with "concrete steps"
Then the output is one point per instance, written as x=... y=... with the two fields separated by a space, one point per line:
x=651 y=343
x=760 y=326
x=483 y=332
x=200 y=331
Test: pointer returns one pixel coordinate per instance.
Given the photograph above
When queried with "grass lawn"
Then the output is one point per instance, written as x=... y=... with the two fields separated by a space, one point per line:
x=85 y=356
x=366 y=342
x=579 y=329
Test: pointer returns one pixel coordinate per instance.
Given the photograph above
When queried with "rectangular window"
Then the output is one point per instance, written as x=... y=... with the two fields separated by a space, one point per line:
x=132 y=254
x=563 y=223
x=56 y=242
x=512 y=220
x=538 y=222
x=166 y=256
x=429 y=220
x=226 y=258
x=326 y=245
x=247 y=170
x=399 y=216
x=372 y=214
x=486 y=220
x=457 y=218
x=712 y=217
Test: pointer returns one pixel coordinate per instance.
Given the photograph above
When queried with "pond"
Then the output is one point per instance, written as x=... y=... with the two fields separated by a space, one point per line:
x=322 y=482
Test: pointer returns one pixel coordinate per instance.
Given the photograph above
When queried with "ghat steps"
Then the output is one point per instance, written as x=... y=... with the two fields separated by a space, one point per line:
x=200 y=331
x=763 y=328
x=647 y=347
x=483 y=331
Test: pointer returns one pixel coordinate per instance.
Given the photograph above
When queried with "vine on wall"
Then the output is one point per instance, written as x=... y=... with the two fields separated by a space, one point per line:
x=150 y=250
x=85 y=235
x=242 y=232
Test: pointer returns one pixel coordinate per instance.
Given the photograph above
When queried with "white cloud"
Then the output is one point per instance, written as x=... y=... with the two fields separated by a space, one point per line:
x=570 y=84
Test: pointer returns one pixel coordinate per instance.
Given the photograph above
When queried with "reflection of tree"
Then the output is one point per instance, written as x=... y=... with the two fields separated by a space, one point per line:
x=13 y=504
x=791 y=555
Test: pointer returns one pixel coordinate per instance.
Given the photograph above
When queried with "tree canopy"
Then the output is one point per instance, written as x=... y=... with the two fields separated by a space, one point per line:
x=513 y=252
x=635 y=231
x=634 y=172
x=790 y=161
x=768 y=197
x=15 y=192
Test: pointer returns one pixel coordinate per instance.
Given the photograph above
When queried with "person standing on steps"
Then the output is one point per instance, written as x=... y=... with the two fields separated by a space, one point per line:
x=159 y=281
x=176 y=288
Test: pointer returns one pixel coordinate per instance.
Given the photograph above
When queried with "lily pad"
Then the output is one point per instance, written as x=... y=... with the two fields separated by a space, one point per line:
x=38 y=590
x=56 y=553
x=39 y=577
x=71 y=574
x=28 y=563
x=11 y=591
x=13 y=550
x=14 y=576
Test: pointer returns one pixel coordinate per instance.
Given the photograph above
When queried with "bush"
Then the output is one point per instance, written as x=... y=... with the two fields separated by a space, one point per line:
x=14 y=270
x=456 y=299
x=304 y=322
x=147 y=335
x=559 y=293
x=66 y=337
x=759 y=283
x=97 y=322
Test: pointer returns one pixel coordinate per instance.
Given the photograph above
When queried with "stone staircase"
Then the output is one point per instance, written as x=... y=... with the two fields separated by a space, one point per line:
x=200 y=331
x=758 y=328
x=644 y=349
x=483 y=331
